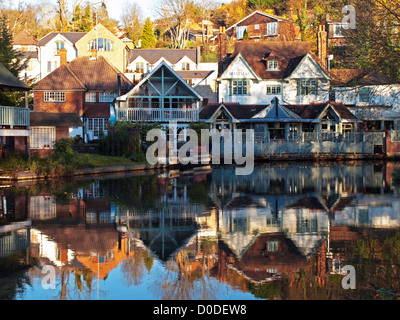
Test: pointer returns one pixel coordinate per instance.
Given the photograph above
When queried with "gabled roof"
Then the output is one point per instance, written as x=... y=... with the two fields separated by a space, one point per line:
x=55 y=119
x=149 y=75
x=236 y=110
x=72 y=37
x=85 y=73
x=171 y=55
x=24 y=38
x=315 y=110
x=9 y=82
x=288 y=53
x=256 y=18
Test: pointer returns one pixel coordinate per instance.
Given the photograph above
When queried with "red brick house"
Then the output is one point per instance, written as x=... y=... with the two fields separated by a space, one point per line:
x=86 y=86
x=264 y=27
x=46 y=128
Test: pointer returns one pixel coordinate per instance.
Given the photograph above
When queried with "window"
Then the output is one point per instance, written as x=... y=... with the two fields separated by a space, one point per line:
x=54 y=96
x=107 y=96
x=42 y=137
x=96 y=125
x=139 y=67
x=101 y=45
x=257 y=26
x=338 y=29
x=58 y=45
x=273 y=65
x=90 y=97
x=273 y=89
x=363 y=94
x=240 y=32
x=48 y=66
x=272 y=246
x=272 y=28
x=307 y=225
x=185 y=66
x=307 y=87
x=240 y=87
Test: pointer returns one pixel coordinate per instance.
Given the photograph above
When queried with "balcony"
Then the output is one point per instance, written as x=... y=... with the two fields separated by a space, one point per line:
x=157 y=114
x=12 y=116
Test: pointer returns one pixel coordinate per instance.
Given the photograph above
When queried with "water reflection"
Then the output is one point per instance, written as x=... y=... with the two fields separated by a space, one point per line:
x=284 y=232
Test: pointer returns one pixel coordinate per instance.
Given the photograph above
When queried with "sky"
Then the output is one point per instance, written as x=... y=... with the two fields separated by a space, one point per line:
x=114 y=7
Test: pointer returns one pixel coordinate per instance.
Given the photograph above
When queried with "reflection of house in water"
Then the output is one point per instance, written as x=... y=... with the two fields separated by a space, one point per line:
x=166 y=228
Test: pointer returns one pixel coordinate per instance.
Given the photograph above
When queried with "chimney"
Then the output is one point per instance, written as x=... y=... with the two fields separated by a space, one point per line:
x=63 y=56
x=322 y=41
x=222 y=48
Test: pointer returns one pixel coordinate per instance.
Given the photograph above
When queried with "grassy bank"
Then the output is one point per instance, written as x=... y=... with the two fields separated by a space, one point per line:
x=63 y=163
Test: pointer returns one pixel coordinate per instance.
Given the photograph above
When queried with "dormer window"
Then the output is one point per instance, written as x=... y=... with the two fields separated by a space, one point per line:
x=273 y=65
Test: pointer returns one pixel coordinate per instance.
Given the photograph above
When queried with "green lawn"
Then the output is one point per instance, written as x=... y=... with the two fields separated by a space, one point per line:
x=61 y=164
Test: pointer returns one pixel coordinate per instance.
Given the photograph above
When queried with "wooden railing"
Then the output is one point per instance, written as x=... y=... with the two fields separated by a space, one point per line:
x=157 y=114
x=13 y=116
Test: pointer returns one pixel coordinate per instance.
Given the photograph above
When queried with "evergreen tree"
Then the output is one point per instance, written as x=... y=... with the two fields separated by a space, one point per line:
x=148 y=37
x=11 y=59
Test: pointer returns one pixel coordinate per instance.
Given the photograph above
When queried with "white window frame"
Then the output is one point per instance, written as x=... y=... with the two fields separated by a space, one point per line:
x=240 y=32
x=107 y=96
x=240 y=87
x=95 y=125
x=42 y=137
x=273 y=65
x=90 y=96
x=256 y=26
x=272 y=28
x=307 y=87
x=54 y=96
x=273 y=89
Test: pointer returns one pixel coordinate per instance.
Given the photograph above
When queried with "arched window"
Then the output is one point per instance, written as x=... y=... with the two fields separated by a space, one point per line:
x=103 y=45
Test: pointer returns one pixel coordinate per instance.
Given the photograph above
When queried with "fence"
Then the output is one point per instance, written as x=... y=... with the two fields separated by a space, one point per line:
x=314 y=143
x=13 y=116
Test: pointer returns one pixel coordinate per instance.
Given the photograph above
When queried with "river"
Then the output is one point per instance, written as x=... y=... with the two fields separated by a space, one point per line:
x=287 y=231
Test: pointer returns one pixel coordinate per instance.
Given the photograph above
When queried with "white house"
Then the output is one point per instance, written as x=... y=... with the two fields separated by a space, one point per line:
x=26 y=43
x=56 y=47
x=371 y=96
x=255 y=73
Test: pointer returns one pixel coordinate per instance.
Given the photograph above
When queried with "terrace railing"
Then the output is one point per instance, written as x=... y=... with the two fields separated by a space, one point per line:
x=13 y=116
x=157 y=114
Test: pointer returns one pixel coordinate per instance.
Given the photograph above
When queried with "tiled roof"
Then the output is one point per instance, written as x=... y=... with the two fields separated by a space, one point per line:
x=313 y=110
x=87 y=74
x=353 y=77
x=73 y=37
x=194 y=74
x=24 y=38
x=8 y=82
x=239 y=111
x=97 y=110
x=288 y=53
x=171 y=55
x=38 y=119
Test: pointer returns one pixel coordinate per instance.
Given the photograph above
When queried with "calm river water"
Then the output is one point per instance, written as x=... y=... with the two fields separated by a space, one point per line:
x=284 y=232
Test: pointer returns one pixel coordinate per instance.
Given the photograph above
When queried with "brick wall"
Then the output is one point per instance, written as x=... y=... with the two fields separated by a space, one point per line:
x=392 y=148
x=73 y=103
x=61 y=133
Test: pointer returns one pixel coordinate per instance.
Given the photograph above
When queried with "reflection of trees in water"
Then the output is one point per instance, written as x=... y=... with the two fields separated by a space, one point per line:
x=135 y=266
x=76 y=284
x=179 y=283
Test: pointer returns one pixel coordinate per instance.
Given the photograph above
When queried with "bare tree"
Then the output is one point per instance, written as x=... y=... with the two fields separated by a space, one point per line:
x=132 y=19
x=177 y=15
